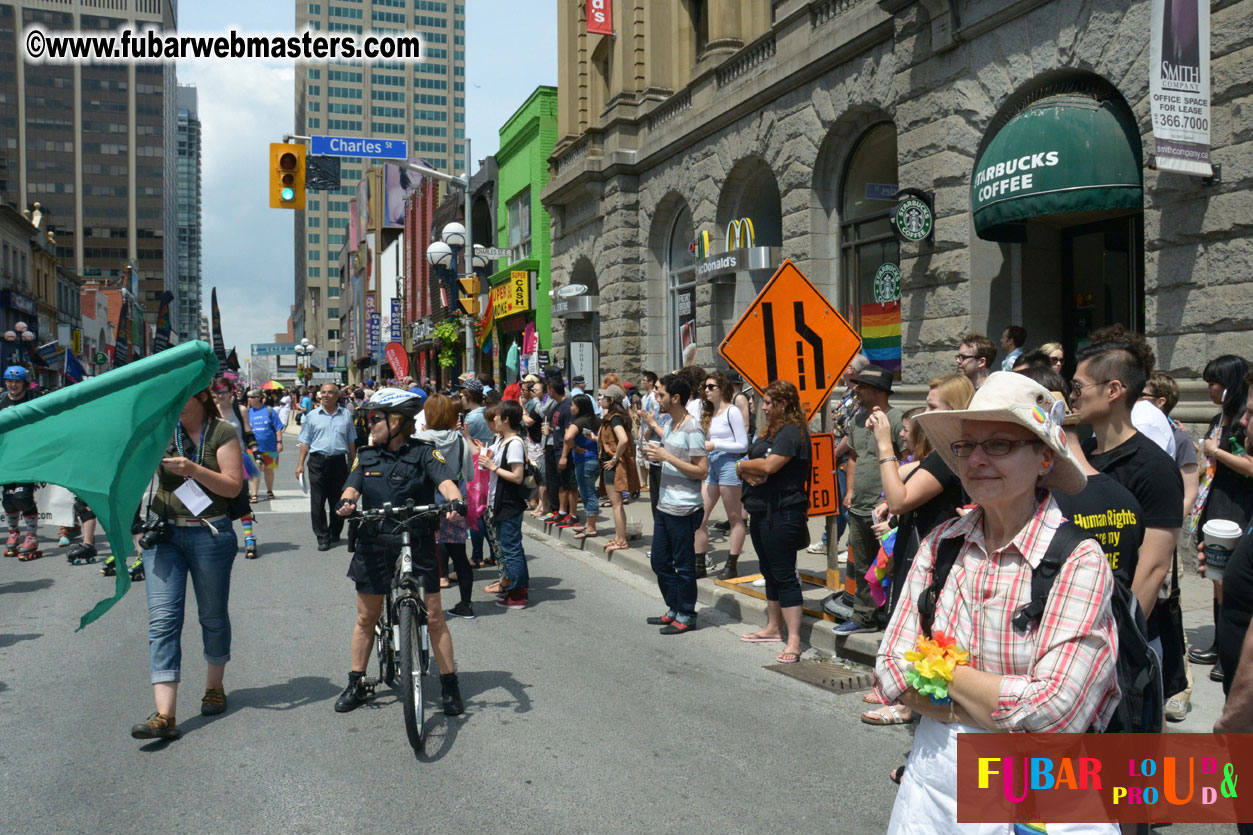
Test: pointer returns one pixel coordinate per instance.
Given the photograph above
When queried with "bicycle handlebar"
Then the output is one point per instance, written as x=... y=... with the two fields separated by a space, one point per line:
x=407 y=511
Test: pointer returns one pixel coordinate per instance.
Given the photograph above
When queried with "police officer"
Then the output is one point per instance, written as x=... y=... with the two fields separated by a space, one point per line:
x=19 y=499
x=396 y=468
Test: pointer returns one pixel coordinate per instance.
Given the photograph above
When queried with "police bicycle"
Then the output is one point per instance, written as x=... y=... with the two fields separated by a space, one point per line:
x=402 y=641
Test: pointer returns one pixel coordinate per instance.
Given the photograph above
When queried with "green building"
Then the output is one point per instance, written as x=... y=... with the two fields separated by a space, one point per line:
x=519 y=291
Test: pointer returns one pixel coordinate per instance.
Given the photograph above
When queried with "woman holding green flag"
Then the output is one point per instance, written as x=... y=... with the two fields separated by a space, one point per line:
x=202 y=471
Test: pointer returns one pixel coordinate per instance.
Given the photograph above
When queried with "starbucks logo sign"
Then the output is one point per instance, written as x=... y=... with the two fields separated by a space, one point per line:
x=913 y=217
x=887 y=283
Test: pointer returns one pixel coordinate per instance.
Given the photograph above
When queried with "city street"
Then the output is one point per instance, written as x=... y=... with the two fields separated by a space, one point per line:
x=579 y=716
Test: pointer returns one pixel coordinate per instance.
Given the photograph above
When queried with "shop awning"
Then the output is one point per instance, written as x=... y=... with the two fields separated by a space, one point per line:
x=1061 y=155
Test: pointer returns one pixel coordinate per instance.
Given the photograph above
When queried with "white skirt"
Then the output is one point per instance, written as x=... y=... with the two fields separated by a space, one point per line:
x=927 y=801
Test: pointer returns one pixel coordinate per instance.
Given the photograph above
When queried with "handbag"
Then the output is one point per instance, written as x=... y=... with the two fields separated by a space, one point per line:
x=1174 y=649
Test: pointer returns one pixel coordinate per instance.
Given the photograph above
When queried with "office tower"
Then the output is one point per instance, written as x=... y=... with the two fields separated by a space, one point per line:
x=187 y=317
x=422 y=101
x=88 y=143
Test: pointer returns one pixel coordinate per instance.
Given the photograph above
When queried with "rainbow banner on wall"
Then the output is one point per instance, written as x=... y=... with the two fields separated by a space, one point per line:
x=881 y=333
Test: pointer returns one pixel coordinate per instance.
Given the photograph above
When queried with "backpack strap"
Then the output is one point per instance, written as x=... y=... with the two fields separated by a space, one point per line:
x=946 y=552
x=1065 y=540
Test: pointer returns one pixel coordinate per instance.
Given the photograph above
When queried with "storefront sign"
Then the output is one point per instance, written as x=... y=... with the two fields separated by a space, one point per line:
x=600 y=17
x=397 y=359
x=396 y=332
x=576 y=307
x=76 y=341
x=18 y=302
x=913 y=219
x=881 y=191
x=512 y=296
x=887 y=283
x=685 y=324
x=1179 y=86
x=739 y=234
x=373 y=327
x=738 y=260
x=583 y=362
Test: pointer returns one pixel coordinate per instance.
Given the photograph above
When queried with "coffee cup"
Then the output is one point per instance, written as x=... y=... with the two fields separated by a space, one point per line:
x=1221 y=536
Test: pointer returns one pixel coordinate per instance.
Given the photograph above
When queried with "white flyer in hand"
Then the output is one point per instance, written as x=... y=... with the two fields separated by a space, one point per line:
x=192 y=497
x=304 y=485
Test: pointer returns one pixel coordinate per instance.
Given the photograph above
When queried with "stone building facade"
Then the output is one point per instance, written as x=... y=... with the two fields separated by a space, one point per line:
x=799 y=114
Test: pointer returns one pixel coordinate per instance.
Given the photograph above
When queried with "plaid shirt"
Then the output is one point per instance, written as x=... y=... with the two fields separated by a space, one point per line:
x=843 y=414
x=1060 y=678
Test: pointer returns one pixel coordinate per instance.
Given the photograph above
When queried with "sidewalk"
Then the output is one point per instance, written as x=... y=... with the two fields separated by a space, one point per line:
x=816 y=634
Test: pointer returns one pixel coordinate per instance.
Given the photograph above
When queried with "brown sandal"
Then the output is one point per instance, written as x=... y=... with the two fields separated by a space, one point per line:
x=495 y=588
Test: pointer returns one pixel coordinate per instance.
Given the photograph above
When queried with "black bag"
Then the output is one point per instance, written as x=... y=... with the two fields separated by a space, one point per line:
x=1170 y=624
x=1137 y=669
x=239 y=507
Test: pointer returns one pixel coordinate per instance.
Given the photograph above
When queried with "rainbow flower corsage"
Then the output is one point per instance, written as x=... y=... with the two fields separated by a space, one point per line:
x=934 y=660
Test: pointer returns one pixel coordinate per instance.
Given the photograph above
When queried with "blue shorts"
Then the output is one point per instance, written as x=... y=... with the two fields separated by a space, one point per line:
x=722 y=469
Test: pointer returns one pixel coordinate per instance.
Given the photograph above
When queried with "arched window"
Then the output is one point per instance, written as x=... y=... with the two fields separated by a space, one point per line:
x=869 y=250
x=681 y=281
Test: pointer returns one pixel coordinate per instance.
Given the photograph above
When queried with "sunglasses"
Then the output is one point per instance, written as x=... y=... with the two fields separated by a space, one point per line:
x=375 y=417
x=710 y=386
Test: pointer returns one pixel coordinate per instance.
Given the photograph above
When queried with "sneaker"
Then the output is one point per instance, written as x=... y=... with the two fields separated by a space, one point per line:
x=759 y=583
x=678 y=627
x=158 y=726
x=851 y=627
x=63 y=541
x=664 y=620
x=722 y=525
x=513 y=600
x=568 y=522
x=1177 y=709
x=451 y=695
x=214 y=701
x=816 y=548
x=352 y=698
x=551 y=518
x=462 y=610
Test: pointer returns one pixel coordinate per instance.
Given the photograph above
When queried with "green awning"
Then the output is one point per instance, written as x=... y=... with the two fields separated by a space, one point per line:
x=1062 y=154
x=341 y=364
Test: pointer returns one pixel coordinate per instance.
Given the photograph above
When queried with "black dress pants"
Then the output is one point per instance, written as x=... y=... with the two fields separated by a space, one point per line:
x=327 y=474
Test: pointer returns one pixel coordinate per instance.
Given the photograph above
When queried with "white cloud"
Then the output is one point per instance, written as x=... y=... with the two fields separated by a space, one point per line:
x=247 y=246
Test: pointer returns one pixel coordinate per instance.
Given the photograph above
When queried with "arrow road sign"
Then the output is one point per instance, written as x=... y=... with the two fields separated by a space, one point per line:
x=359 y=146
x=805 y=340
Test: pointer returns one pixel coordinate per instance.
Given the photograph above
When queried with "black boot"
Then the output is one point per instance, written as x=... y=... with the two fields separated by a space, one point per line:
x=453 y=706
x=730 y=571
x=353 y=696
x=1216 y=674
x=700 y=567
x=1208 y=656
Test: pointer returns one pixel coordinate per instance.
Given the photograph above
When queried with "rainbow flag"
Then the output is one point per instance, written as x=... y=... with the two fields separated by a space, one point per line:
x=881 y=334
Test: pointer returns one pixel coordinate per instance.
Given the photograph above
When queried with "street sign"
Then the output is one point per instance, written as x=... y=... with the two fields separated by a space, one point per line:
x=100 y=358
x=494 y=253
x=824 y=493
x=359 y=146
x=791 y=332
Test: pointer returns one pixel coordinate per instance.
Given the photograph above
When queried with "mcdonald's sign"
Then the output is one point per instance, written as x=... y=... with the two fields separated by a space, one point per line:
x=739 y=234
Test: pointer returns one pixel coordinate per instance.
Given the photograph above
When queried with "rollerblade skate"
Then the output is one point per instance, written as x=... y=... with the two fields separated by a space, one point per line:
x=81 y=553
x=110 y=567
x=10 y=545
x=29 y=549
x=250 y=547
x=137 y=570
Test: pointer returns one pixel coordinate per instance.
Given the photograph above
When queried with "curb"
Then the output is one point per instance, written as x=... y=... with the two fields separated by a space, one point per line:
x=816 y=634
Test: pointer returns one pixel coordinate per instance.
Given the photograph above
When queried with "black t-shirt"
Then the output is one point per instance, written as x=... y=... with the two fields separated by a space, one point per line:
x=535 y=432
x=559 y=418
x=1108 y=511
x=786 y=488
x=1237 y=607
x=1149 y=473
x=510 y=497
x=928 y=516
x=1230 y=494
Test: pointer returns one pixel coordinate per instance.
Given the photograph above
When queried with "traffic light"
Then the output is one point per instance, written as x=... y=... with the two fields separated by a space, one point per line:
x=468 y=297
x=287 y=176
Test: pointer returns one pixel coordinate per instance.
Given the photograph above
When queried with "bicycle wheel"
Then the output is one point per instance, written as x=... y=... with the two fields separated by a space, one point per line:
x=383 y=643
x=412 y=666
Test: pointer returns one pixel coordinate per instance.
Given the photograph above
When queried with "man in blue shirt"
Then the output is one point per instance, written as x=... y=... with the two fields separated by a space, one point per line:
x=472 y=403
x=267 y=432
x=328 y=442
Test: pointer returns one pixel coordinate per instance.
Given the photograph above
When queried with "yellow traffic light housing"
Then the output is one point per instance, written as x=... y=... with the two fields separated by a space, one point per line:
x=287 y=175
x=468 y=297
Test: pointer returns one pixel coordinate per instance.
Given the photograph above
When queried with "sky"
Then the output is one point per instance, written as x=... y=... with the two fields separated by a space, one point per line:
x=247 y=246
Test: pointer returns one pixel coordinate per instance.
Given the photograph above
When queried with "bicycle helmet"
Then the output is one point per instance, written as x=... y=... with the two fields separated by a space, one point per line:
x=395 y=400
x=17 y=372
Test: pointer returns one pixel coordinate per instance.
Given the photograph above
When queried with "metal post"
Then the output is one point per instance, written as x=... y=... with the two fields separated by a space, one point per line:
x=471 y=347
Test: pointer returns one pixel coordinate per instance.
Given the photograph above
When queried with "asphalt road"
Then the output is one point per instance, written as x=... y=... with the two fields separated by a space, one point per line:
x=580 y=718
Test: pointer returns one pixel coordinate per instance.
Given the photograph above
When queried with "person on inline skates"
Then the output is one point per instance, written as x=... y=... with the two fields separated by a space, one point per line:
x=396 y=468
x=19 y=499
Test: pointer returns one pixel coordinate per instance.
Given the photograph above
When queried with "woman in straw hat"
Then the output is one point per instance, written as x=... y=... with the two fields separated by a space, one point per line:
x=1058 y=674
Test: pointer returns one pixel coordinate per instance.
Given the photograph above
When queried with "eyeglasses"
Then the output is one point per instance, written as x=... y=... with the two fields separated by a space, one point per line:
x=995 y=447
x=964 y=357
x=1079 y=388
x=1147 y=395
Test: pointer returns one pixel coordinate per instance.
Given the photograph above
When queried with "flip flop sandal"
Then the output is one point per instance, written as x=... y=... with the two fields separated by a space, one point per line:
x=754 y=638
x=788 y=657
x=586 y=535
x=495 y=588
x=269 y=495
x=887 y=715
x=896 y=774
x=252 y=499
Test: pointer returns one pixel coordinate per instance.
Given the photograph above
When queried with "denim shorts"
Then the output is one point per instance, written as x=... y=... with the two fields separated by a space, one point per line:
x=722 y=469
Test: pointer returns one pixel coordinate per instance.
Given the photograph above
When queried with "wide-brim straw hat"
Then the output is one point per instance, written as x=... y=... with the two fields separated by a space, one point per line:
x=1007 y=397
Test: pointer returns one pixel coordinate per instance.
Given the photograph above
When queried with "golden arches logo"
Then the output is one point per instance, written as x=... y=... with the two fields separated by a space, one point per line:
x=739 y=234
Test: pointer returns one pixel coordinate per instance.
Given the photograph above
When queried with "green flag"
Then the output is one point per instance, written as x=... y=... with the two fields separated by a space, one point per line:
x=103 y=439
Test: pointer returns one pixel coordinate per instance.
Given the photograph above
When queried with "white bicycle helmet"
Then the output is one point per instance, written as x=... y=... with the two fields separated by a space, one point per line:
x=395 y=400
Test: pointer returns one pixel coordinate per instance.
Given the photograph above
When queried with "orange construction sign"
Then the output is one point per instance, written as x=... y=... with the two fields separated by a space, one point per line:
x=824 y=492
x=791 y=332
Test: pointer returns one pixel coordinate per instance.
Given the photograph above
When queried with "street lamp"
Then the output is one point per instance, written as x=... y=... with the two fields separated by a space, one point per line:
x=444 y=257
x=304 y=351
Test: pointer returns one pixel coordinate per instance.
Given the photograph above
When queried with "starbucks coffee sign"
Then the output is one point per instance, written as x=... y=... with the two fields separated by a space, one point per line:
x=887 y=283
x=913 y=219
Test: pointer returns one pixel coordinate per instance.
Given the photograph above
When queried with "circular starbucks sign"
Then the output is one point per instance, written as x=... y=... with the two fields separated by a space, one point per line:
x=913 y=219
x=887 y=283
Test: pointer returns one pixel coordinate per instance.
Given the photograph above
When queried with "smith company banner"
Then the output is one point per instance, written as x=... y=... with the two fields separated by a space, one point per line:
x=1179 y=85
x=600 y=17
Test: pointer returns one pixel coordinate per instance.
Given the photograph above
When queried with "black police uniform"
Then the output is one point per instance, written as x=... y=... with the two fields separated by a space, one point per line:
x=380 y=475
x=18 y=498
